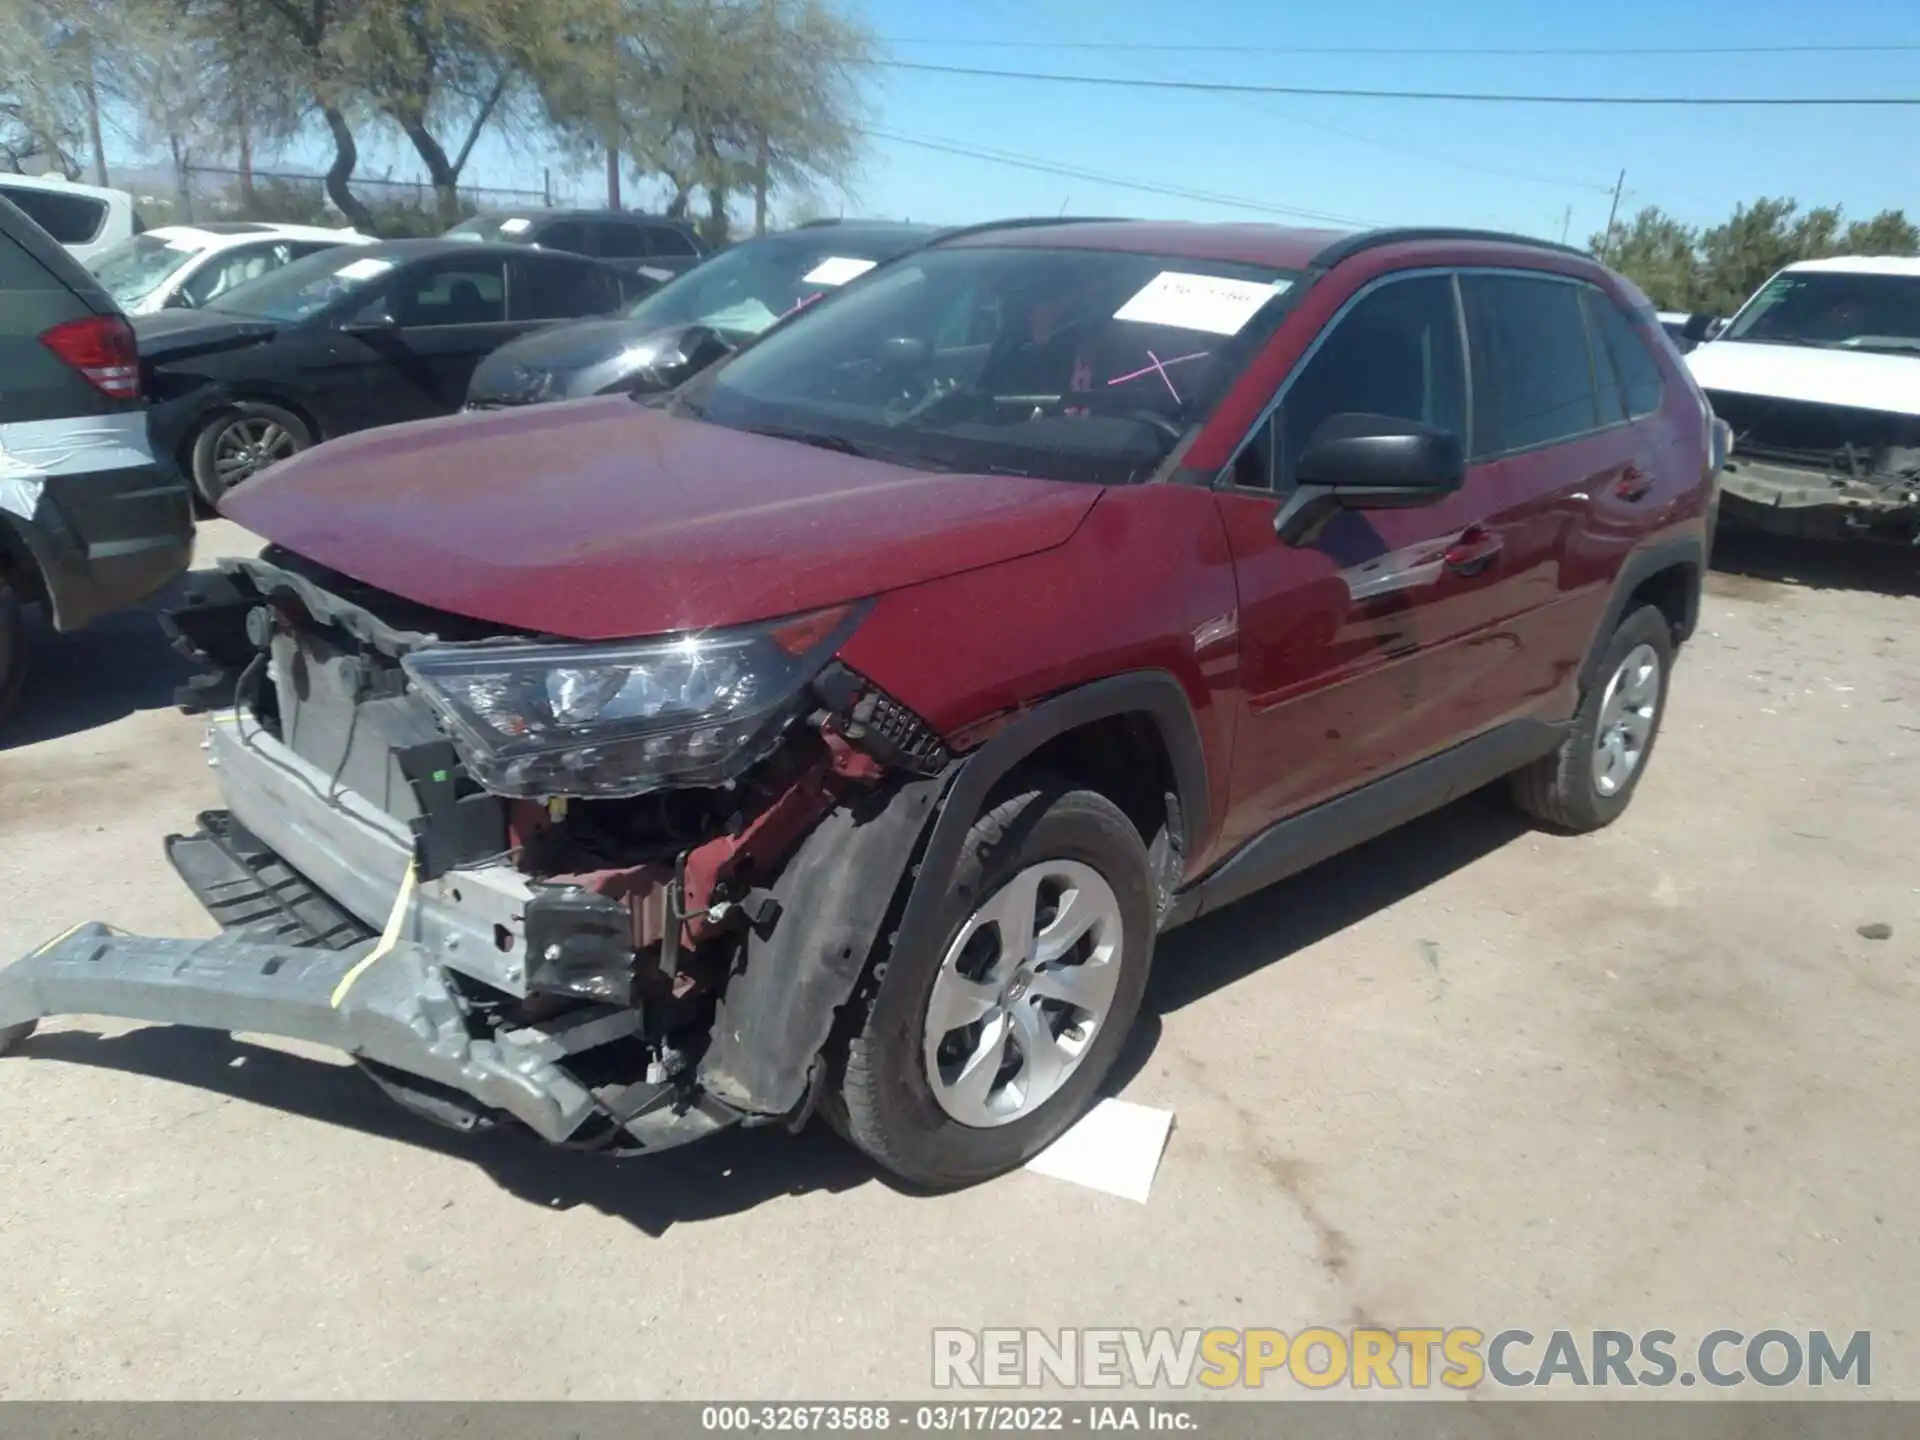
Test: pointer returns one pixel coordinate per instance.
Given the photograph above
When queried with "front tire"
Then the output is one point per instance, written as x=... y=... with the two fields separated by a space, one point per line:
x=12 y=1035
x=973 y=1056
x=1587 y=783
x=237 y=443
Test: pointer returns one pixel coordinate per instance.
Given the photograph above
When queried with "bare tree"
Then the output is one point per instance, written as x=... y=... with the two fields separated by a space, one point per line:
x=718 y=97
x=43 y=110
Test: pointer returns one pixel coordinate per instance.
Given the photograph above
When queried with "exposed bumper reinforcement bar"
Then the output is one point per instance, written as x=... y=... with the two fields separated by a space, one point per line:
x=400 y=1011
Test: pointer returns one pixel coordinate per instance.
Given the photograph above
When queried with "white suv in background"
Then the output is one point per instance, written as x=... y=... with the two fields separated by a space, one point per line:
x=185 y=266
x=84 y=219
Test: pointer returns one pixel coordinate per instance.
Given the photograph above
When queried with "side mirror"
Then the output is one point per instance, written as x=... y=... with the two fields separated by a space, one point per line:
x=1698 y=329
x=681 y=355
x=370 y=322
x=1368 y=462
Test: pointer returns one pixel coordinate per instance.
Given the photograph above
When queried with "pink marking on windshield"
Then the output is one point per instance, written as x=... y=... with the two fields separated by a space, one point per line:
x=1159 y=367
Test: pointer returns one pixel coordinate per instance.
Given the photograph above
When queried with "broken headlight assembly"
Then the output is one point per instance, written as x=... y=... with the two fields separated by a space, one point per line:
x=607 y=721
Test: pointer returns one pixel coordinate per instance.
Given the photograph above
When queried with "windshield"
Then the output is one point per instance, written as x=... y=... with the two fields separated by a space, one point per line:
x=136 y=268
x=1067 y=364
x=742 y=291
x=1833 y=309
x=306 y=287
x=508 y=228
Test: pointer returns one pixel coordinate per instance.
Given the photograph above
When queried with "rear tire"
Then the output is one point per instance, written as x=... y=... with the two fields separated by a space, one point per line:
x=1587 y=783
x=1013 y=998
x=12 y=1035
x=13 y=645
x=237 y=443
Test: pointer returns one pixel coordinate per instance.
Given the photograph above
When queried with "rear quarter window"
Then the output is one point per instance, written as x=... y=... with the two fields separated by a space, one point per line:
x=1625 y=345
x=70 y=219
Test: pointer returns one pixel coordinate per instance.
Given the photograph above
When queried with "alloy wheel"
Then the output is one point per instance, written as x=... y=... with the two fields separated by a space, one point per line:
x=247 y=446
x=1024 y=988
x=1628 y=708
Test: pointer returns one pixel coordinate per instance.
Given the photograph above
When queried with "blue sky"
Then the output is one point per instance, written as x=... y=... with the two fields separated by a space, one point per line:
x=1510 y=166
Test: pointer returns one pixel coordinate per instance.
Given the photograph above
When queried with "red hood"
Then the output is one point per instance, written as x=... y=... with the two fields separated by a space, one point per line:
x=602 y=519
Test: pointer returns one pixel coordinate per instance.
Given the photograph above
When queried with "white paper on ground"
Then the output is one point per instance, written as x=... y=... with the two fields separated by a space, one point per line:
x=1115 y=1147
x=1211 y=303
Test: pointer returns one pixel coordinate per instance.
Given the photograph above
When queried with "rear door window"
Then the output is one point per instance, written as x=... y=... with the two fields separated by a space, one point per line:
x=1606 y=375
x=553 y=288
x=456 y=293
x=619 y=241
x=1532 y=368
x=1396 y=352
x=569 y=235
x=69 y=219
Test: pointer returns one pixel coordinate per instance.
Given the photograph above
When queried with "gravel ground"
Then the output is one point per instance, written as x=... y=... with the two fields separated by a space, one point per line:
x=1468 y=1075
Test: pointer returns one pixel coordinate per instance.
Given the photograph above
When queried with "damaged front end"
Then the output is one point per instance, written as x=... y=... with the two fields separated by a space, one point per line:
x=617 y=892
x=1817 y=471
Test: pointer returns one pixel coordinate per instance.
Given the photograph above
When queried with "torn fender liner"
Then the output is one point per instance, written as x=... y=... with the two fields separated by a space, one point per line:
x=834 y=895
x=401 y=1011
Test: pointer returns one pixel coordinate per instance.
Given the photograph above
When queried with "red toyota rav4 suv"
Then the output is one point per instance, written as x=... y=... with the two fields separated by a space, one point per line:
x=842 y=729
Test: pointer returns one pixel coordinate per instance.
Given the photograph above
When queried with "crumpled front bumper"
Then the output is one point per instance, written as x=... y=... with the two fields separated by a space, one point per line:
x=381 y=1002
x=1787 y=500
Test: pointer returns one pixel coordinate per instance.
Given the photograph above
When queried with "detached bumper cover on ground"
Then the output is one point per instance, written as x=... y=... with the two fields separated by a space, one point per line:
x=398 y=1011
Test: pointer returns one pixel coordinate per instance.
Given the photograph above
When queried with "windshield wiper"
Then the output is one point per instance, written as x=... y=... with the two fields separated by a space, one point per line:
x=839 y=444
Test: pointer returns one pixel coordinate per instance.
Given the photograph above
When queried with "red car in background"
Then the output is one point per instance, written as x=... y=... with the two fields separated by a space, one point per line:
x=840 y=731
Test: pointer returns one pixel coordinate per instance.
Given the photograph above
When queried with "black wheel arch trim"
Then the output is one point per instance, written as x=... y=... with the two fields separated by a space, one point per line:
x=841 y=889
x=1688 y=551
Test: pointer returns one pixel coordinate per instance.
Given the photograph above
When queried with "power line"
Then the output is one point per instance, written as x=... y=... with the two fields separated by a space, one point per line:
x=1074 y=172
x=1263 y=105
x=1159 y=47
x=1214 y=87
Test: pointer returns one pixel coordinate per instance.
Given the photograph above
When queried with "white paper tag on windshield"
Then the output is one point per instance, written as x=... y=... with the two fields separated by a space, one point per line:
x=1199 y=302
x=515 y=226
x=836 y=270
x=363 y=269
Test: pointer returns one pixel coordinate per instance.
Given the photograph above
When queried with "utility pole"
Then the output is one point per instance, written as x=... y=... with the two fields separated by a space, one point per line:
x=1606 y=246
x=763 y=162
x=1566 y=224
x=613 y=170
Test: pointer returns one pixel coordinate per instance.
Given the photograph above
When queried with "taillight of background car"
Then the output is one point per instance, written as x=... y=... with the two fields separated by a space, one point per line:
x=102 y=348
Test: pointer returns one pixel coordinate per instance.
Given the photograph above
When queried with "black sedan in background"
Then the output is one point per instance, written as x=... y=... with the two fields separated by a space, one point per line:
x=688 y=323
x=347 y=339
x=650 y=245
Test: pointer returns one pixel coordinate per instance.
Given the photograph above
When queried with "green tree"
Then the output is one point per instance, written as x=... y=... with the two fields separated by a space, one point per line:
x=1754 y=242
x=1888 y=233
x=1657 y=253
x=718 y=98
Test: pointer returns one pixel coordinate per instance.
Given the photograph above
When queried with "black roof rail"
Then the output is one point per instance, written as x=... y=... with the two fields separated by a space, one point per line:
x=1027 y=222
x=1348 y=246
x=817 y=224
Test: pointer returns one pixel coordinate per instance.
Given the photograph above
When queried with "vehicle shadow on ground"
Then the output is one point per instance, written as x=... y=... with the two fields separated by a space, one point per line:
x=738 y=1170
x=1219 y=949
x=1819 y=565
x=115 y=667
x=725 y=1174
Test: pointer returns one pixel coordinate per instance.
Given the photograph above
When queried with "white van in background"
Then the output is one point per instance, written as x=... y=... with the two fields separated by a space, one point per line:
x=86 y=219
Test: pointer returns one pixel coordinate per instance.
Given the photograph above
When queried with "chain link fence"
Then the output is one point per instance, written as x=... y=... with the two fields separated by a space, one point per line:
x=399 y=207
